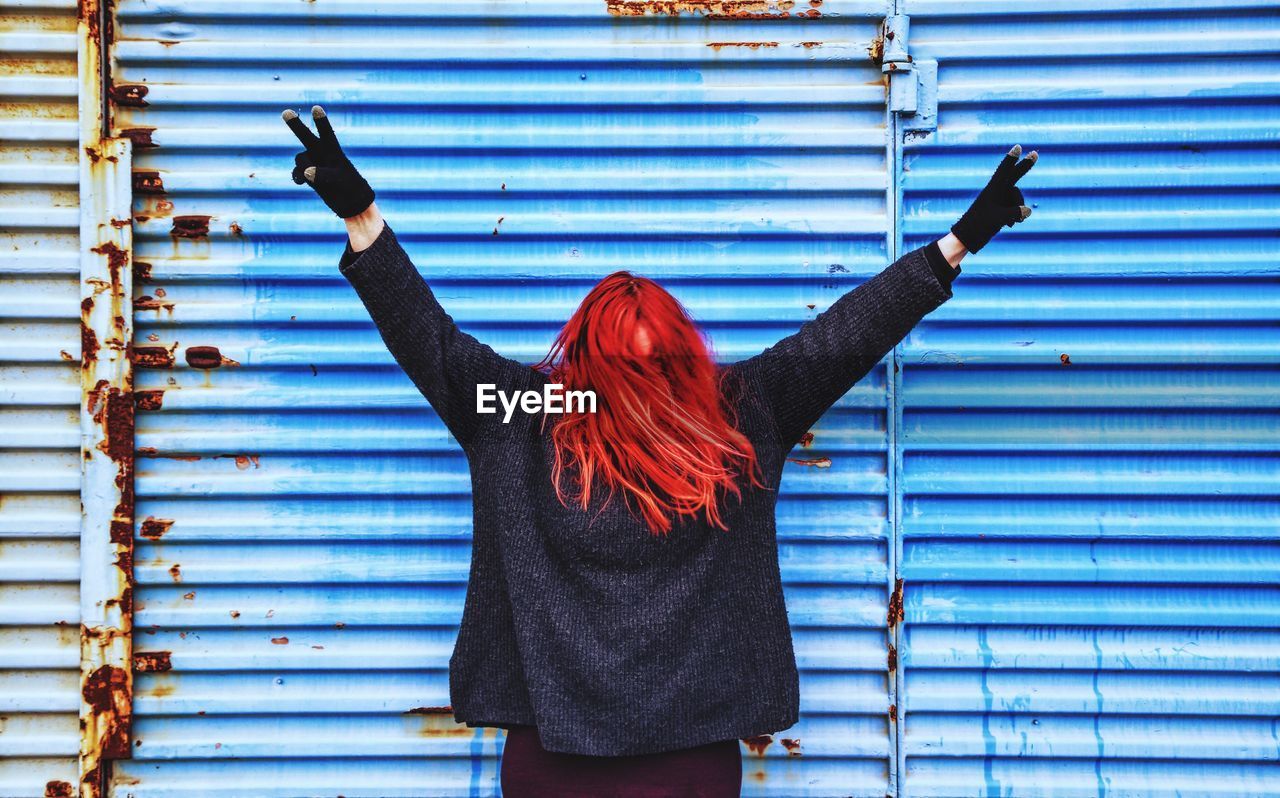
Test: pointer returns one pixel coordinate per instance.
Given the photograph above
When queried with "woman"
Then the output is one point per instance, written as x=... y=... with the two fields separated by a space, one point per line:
x=624 y=617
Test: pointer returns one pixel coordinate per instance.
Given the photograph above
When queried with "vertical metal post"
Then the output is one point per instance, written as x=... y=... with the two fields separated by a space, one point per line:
x=106 y=419
x=895 y=50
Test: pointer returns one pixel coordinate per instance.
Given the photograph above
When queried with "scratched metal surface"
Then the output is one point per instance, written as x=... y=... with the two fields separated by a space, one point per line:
x=39 y=401
x=1090 y=550
x=304 y=519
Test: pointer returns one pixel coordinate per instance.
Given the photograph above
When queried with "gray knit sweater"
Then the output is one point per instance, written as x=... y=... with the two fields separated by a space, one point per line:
x=611 y=640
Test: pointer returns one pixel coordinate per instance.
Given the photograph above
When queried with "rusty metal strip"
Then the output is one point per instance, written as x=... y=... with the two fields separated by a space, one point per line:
x=106 y=419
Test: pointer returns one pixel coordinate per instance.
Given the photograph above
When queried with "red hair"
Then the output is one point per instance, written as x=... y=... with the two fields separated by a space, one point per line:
x=661 y=434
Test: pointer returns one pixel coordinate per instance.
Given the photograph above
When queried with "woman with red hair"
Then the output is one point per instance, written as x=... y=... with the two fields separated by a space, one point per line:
x=624 y=617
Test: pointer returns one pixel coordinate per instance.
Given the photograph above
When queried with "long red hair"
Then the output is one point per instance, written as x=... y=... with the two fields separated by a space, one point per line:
x=661 y=435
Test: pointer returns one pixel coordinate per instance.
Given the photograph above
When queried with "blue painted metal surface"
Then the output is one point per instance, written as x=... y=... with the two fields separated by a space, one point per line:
x=1089 y=429
x=304 y=518
x=1073 y=466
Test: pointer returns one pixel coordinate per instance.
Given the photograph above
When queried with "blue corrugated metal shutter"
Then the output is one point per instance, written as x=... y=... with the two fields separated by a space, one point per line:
x=304 y=519
x=39 y=401
x=1090 y=427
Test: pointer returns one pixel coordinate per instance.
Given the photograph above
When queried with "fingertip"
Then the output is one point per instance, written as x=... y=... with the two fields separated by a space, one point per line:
x=310 y=174
x=1016 y=151
x=288 y=114
x=1033 y=156
x=1024 y=212
x=317 y=112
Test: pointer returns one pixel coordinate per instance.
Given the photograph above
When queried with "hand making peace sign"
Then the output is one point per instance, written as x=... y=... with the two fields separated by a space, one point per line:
x=999 y=204
x=325 y=167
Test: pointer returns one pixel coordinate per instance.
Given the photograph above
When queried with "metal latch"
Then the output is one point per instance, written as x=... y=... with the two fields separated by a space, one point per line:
x=913 y=85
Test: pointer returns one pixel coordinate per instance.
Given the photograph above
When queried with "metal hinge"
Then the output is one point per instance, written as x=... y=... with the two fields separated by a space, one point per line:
x=913 y=85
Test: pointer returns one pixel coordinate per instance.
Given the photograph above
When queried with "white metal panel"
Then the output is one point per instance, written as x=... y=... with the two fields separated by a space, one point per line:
x=39 y=400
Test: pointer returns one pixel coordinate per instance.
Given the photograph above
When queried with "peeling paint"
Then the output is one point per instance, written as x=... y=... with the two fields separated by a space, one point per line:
x=207 y=357
x=813 y=462
x=152 y=661
x=154 y=357
x=711 y=9
x=148 y=400
x=129 y=95
x=190 y=226
x=106 y=691
x=140 y=136
x=155 y=528
x=896 y=612
x=750 y=45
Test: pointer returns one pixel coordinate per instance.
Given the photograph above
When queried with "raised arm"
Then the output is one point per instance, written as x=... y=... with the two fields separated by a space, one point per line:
x=804 y=374
x=443 y=362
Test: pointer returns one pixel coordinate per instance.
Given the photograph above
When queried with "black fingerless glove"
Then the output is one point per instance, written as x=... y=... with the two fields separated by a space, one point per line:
x=999 y=204
x=325 y=167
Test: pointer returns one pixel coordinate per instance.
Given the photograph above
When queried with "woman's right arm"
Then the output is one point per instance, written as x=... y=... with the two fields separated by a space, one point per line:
x=443 y=362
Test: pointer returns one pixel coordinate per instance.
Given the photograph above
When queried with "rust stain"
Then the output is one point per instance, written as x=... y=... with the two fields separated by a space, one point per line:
x=712 y=9
x=175 y=571
x=57 y=789
x=189 y=596
x=810 y=45
x=117 y=259
x=88 y=339
x=1065 y=359
x=758 y=743
x=154 y=357
x=806 y=440
x=106 y=691
x=148 y=400
x=146 y=302
x=792 y=746
x=280 y=641
x=893 y=713
x=148 y=183
x=141 y=271
x=207 y=357
x=439 y=722
x=896 y=613
x=235 y=613
x=235 y=229
x=140 y=136
x=152 y=661
x=130 y=95
x=752 y=45
x=893 y=658
x=112 y=409
x=875 y=50
x=244 y=461
x=813 y=462
x=154 y=528
x=190 y=226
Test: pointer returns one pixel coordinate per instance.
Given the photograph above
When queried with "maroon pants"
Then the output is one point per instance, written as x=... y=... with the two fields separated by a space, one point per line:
x=713 y=770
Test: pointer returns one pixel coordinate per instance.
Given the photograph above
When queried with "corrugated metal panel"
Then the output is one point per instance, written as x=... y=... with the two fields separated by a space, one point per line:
x=304 y=518
x=39 y=400
x=1090 y=426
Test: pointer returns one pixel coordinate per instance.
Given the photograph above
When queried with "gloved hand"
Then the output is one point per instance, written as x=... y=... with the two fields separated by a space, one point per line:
x=325 y=167
x=999 y=204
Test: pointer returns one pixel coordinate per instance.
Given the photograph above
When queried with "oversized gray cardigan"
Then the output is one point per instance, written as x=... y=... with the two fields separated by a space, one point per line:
x=609 y=639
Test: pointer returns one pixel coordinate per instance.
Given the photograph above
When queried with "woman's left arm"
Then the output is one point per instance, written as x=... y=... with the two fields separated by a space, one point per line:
x=801 y=376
